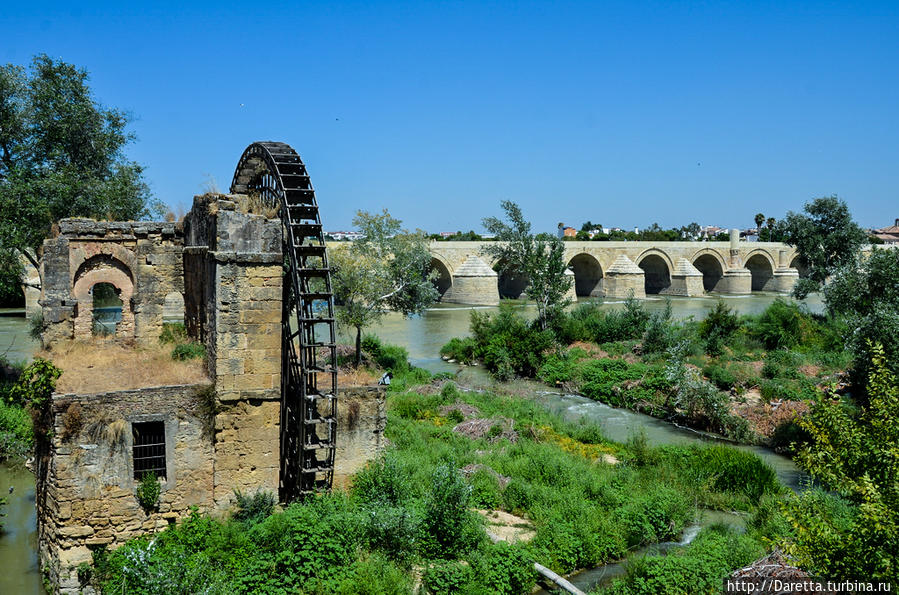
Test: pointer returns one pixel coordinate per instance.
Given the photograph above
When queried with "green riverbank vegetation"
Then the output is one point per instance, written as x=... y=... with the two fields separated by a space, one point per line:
x=462 y=464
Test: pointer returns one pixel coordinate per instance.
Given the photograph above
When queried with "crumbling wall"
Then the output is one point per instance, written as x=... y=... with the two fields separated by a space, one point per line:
x=143 y=260
x=89 y=496
x=361 y=419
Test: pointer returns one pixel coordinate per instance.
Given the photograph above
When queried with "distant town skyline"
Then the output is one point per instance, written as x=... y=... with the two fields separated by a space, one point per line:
x=622 y=113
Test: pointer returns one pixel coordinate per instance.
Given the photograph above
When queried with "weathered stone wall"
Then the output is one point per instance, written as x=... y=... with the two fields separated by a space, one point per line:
x=141 y=259
x=88 y=497
x=361 y=418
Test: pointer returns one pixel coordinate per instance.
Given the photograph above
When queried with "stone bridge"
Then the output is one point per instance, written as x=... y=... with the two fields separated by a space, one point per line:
x=617 y=269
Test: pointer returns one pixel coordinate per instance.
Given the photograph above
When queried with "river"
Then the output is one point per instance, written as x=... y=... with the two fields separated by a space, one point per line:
x=422 y=336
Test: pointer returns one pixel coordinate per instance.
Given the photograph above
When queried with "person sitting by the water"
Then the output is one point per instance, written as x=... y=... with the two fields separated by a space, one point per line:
x=385 y=378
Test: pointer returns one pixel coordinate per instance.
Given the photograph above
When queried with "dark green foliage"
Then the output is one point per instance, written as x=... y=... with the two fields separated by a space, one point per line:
x=724 y=469
x=16 y=432
x=508 y=344
x=718 y=327
x=780 y=325
x=382 y=481
x=485 y=490
x=587 y=322
x=720 y=376
x=186 y=351
x=448 y=527
x=659 y=335
x=447 y=578
x=866 y=294
x=659 y=515
x=174 y=333
x=503 y=569
x=462 y=350
x=386 y=356
x=148 y=491
x=63 y=156
x=826 y=238
x=253 y=509
x=698 y=568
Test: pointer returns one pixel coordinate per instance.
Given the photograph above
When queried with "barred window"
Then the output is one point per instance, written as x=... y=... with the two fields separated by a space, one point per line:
x=149 y=448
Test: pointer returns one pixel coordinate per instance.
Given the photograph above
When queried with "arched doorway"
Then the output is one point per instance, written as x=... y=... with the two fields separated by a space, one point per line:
x=443 y=281
x=656 y=274
x=762 y=272
x=587 y=275
x=106 y=309
x=711 y=270
x=173 y=308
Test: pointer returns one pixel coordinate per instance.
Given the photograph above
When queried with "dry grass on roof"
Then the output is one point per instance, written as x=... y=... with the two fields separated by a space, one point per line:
x=93 y=366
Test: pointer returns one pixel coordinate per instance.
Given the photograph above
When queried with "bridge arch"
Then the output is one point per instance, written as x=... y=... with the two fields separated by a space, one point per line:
x=444 y=279
x=762 y=267
x=657 y=269
x=798 y=264
x=510 y=285
x=712 y=266
x=587 y=275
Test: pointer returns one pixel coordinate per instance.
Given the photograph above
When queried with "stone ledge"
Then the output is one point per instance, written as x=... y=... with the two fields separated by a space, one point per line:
x=249 y=257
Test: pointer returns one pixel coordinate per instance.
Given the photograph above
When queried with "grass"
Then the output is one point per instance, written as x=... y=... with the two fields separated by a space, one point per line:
x=98 y=366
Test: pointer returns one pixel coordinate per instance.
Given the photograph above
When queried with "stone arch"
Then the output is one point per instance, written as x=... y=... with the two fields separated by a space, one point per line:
x=84 y=256
x=510 y=286
x=712 y=268
x=761 y=266
x=798 y=264
x=173 y=307
x=118 y=277
x=656 y=271
x=587 y=275
x=444 y=280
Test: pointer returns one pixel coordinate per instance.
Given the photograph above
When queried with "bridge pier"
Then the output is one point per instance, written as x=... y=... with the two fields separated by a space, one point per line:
x=686 y=280
x=474 y=282
x=735 y=281
x=624 y=279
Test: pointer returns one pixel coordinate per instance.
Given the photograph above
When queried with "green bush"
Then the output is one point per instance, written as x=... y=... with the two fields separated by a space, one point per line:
x=448 y=527
x=659 y=335
x=148 y=491
x=503 y=569
x=508 y=344
x=390 y=529
x=718 y=327
x=725 y=469
x=657 y=515
x=186 y=351
x=462 y=350
x=386 y=356
x=448 y=577
x=781 y=325
x=382 y=481
x=253 y=509
x=720 y=376
x=698 y=568
x=173 y=333
x=485 y=490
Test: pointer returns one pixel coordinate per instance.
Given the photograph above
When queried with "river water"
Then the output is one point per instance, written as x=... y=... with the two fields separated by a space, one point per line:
x=422 y=336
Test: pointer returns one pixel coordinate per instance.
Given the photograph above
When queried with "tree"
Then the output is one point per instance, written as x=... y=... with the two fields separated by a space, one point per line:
x=865 y=293
x=856 y=454
x=61 y=155
x=388 y=269
x=826 y=239
x=759 y=220
x=540 y=260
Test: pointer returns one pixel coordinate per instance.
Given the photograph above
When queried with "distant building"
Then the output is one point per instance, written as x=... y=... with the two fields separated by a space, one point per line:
x=447 y=234
x=889 y=235
x=344 y=236
x=569 y=232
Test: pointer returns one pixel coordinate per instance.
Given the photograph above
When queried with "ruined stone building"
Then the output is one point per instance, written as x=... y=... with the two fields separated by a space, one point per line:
x=220 y=271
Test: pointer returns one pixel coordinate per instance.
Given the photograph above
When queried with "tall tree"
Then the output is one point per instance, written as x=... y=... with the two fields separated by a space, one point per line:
x=61 y=155
x=388 y=269
x=759 y=220
x=826 y=238
x=540 y=260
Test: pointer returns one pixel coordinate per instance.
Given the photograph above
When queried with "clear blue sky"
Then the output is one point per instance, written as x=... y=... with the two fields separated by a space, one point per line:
x=621 y=113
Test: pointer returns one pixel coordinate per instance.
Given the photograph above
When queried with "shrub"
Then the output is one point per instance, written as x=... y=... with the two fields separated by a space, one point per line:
x=392 y=530
x=781 y=325
x=508 y=344
x=387 y=357
x=383 y=482
x=659 y=335
x=485 y=490
x=462 y=350
x=503 y=569
x=148 y=491
x=173 y=333
x=720 y=376
x=445 y=578
x=185 y=351
x=448 y=527
x=727 y=469
x=657 y=515
x=253 y=509
x=718 y=327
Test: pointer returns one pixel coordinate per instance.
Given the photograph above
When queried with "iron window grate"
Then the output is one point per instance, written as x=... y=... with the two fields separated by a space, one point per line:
x=149 y=449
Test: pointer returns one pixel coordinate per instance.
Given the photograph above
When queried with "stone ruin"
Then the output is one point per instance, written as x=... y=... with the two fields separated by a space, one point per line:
x=220 y=271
